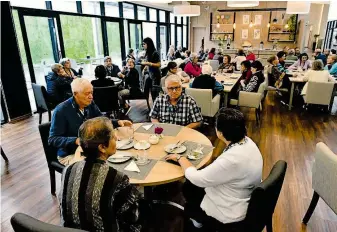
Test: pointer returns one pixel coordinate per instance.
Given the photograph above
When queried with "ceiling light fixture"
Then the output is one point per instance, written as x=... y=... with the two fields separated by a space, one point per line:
x=251 y=24
x=186 y=10
x=242 y=3
x=296 y=7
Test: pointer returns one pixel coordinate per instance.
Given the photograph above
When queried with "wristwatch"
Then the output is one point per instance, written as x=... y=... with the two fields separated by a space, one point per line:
x=178 y=157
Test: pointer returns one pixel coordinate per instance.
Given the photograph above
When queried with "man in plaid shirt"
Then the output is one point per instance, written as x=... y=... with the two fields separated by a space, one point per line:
x=176 y=107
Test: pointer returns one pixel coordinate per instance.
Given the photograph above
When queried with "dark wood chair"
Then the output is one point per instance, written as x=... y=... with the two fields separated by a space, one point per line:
x=42 y=102
x=24 y=223
x=51 y=155
x=106 y=98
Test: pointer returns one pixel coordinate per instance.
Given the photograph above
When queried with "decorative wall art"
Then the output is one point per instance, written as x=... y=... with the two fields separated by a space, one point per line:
x=244 y=34
x=258 y=19
x=245 y=19
x=257 y=33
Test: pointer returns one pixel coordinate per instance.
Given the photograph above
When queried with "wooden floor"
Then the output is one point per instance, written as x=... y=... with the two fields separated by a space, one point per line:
x=290 y=136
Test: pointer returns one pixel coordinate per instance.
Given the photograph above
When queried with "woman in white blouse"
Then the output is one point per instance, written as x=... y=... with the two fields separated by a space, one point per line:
x=221 y=191
x=316 y=74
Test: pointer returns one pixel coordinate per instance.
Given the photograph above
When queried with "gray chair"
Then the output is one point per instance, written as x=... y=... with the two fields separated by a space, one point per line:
x=24 y=223
x=214 y=64
x=288 y=63
x=324 y=179
x=42 y=102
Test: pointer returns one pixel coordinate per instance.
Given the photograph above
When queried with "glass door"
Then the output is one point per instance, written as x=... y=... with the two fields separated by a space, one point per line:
x=135 y=35
x=114 y=42
x=163 y=41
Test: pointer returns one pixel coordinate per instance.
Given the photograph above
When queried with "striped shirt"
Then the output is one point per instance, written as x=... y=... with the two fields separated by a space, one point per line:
x=96 y=197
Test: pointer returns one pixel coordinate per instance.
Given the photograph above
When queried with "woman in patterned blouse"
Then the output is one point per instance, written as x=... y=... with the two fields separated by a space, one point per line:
x=226 y=66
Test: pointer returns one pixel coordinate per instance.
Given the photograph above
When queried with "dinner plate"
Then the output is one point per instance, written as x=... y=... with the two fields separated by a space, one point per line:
x=228 y=83
x=178 y=150
x=142 y=145
x=192 y=157
x=127 y=145
x=116 y=79
x=120 y=157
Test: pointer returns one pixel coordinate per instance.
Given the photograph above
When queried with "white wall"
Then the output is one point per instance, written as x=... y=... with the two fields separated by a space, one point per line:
x=332 y=11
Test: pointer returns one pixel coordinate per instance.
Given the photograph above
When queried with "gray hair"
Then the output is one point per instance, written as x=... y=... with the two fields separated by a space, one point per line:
x=106 y=58
x=77 y=85
x=173 y=78
x=334 y=57
x=193 y=55
x=317 y=65
x=206 y=69
x=94 y=132
x=56 y=67
x=64 y=60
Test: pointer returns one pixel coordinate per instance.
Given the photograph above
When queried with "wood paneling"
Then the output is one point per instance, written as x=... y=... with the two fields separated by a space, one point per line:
x=287 y=135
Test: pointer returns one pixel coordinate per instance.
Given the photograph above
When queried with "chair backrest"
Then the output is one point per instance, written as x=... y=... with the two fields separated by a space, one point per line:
x=203 y=98
x=40 y=94
x=264 y=198
x=49 y=151
x=249 y=99
x=319 y=92
x=106 y=98
x=214 y=64
x=324 y=172
x=22 y=222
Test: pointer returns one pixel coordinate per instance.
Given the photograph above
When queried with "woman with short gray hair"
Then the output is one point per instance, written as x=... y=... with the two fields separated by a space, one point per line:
x=192 y=68
x=65 y=62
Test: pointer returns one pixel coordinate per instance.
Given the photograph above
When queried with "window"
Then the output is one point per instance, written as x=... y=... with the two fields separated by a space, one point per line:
x=162 y=17
x=179 y=36
x=29 y=4
x=128 y=11
x=163 y=38
x=173 y=42
x=172 y=18
x=68 y=6
x=153 y=15
x=178 y=20
x=141 y=12
x=89 y=7
x=114 y=42
x=184 y=20
x=185 y=32
x=111 y=9
x=150 y=30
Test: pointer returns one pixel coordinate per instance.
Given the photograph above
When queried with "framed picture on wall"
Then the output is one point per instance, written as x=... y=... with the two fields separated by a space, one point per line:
x=244 y=34
x=245 y=19
x=258 y=19
x=257 y=33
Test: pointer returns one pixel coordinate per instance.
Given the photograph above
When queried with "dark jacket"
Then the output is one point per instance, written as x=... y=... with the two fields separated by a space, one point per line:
x=103 y=82
x=322 y=57
x=132 y=82
x=246 y=75
x=113 y=71
x=205 y=81
x=254 y=82
x=58 y=88
x=65 y=123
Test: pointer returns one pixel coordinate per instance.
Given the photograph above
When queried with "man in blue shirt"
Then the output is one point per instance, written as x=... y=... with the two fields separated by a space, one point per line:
x=69 y=116
x=332 y=65
x=320 y=56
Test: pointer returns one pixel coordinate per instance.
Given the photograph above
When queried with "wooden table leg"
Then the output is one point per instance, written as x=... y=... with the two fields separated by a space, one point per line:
x=291 y=95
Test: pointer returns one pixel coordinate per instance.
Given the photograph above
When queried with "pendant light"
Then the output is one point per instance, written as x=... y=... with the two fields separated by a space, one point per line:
x=234 y=26
x=186 y=10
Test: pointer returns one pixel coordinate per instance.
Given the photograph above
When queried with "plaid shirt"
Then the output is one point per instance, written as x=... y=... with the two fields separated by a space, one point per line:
x=185 y=112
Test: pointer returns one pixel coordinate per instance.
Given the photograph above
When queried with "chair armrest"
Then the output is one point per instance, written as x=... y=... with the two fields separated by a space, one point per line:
x=215 y=104
x=249 y=99
x=57 y=166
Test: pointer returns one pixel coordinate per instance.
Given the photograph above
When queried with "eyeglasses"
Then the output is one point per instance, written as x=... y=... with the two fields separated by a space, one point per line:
x=174 y=88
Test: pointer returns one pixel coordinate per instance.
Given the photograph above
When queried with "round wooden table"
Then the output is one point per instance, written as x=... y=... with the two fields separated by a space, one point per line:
x=164 y=172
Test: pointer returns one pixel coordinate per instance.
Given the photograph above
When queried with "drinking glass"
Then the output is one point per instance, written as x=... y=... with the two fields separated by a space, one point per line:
x=142 y=158
x=130 y=133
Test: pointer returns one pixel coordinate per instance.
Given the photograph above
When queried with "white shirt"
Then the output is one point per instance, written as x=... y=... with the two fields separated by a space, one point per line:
x=238 y=60
x=229 y=181
x=316 y=76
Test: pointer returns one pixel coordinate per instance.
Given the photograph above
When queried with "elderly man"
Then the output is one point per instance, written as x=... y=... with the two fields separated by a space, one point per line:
x=112 y=70
x=93 y=195
x=297 y=52
x=69 y=116
x=176 y=107
x=320 y=56
x=58 y=84
x=332 y=64
x=291 y=55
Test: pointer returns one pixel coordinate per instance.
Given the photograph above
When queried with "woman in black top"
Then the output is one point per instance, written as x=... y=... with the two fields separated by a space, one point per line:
x=152 y=66
x=100 y=75
x=256 y=80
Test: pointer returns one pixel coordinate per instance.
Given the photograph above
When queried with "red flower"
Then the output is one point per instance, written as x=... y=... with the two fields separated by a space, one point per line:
x=158 y=130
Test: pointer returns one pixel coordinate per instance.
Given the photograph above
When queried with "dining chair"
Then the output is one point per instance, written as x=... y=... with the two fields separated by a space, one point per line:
x=324 y=181
x=3 y=154
x=142 y=95
x=51 y=155
x=319 y=93
x=42 y=102
x=25 y=223
x=288 y=63
x=214 y=64
x=106 y=98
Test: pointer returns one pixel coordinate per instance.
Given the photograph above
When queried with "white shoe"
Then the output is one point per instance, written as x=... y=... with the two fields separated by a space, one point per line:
x=196 y=224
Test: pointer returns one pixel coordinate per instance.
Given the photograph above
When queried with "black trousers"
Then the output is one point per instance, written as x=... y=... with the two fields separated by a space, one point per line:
x=152 y=83
x=194 y=196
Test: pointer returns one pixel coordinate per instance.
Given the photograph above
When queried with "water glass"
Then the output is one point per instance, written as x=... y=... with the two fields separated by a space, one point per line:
x=142 y=158
x=130 y=133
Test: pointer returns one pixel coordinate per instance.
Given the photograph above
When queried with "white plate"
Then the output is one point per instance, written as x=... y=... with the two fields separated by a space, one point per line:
x=143 y=146
x=192 y=157
x=119 y=157
x=125 y=147
x=227 y=83
x=178 y=150
x=116 y=79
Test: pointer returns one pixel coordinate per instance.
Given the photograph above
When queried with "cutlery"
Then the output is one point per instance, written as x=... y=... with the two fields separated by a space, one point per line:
x=122 y=157
x=177 y=145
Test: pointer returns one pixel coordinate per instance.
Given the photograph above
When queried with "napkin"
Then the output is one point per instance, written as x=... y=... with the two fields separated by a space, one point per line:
x=132 y=167
x=147 y=127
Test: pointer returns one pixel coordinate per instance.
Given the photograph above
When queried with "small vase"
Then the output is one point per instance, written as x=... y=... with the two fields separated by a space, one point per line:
x=154 y=139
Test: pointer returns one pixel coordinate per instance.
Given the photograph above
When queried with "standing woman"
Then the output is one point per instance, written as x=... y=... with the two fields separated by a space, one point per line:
x=152 y=65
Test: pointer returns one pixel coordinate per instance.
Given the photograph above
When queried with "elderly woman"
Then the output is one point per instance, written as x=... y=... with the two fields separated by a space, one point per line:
x=70 y=72
x=226 y=66
x=192 y=68
x=170 y=54
x=240 y=56
x=256 y=80
x=291 y=55
x=302 y=63
x=222 y=190
x=174 y=70
x=250 y=55
x=316 y=74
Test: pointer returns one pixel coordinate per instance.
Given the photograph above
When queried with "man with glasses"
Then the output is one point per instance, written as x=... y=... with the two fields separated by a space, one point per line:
x=69 y=116
x=176 y=107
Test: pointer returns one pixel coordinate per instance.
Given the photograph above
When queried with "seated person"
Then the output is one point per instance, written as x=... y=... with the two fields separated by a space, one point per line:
x=131 y=54
x=177 y=54
x=170 y=54
x=132 y=86
x=256 y=80
x=226 y=66
x=176 y=107
x=250 y=55
x=68 y=117
x=114 y=202
x=101 y=78
x=201 y=53
x=187 y=56
x=316 y=74
x=218 y=55
x=277 y=74
x=192 y=68
x=203 y=58
x=297 y=52
x=211 y=54
x=320 y=56
x=291 y=55
x=112 y=70
x=222 y=190
x=281 y=55
x=206 y=81
x=65 y=62
x=58 y=84
x=246 y=71
x=332 y=64
x=240 y=56
x=302 y=63
x=173 y=70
